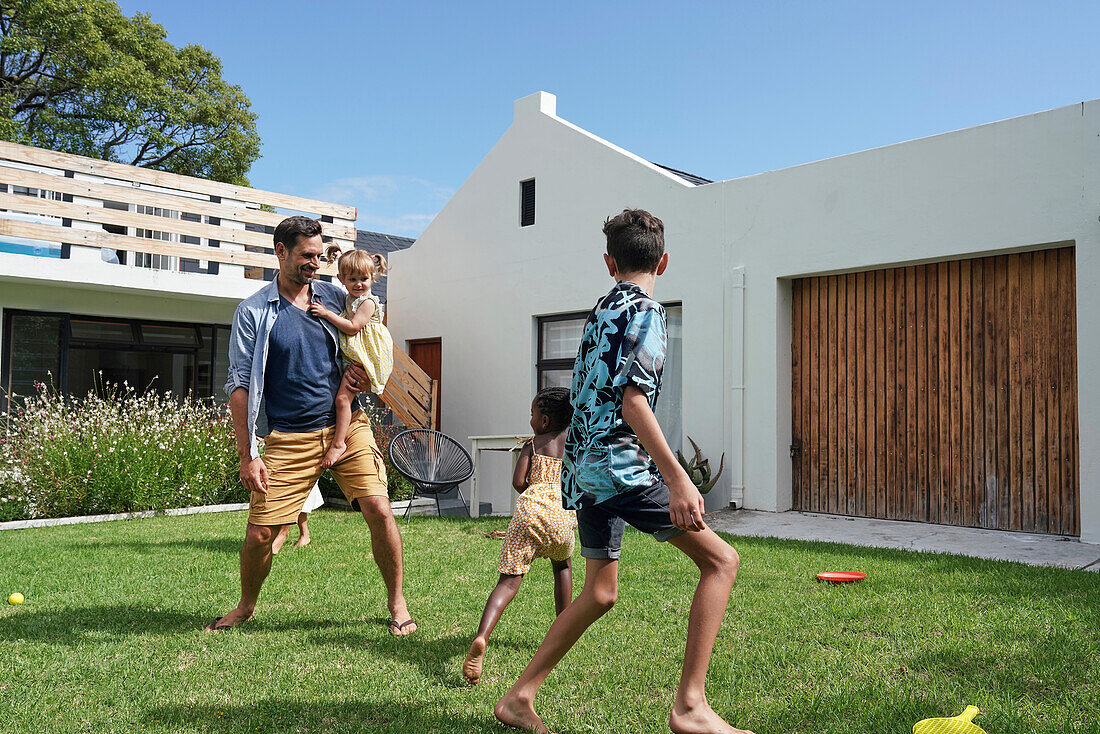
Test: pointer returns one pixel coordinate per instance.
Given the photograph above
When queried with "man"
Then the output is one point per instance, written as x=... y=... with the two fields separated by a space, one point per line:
x=285 y=363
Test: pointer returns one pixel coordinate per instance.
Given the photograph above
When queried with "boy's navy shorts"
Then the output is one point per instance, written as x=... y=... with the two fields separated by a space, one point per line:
x=601 y=525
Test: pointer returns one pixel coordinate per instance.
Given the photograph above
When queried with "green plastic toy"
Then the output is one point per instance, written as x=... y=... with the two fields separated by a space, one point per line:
x=955 y=725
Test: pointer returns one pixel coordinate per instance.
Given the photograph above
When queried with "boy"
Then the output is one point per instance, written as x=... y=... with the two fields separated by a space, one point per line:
x=618 y=468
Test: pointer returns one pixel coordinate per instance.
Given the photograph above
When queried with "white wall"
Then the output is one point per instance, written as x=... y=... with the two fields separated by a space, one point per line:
x=476 y=278
x=1018 y=184
x=51 y=297
x=86 y=270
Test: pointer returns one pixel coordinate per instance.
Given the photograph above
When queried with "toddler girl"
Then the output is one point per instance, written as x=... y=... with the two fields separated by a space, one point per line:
x=364 y=339
x=540 y=527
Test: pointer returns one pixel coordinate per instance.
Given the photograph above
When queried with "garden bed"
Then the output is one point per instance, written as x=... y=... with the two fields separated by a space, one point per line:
x=118 y=453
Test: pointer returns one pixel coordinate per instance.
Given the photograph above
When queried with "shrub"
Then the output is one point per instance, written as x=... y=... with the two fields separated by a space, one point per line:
x=384 y=426
x=115 y=451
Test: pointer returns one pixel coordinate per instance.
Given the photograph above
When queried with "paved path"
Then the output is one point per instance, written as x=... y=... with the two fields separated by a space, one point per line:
x=1037 y=550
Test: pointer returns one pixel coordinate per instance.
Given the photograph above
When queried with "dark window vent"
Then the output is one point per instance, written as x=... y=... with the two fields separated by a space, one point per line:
x=527 y=203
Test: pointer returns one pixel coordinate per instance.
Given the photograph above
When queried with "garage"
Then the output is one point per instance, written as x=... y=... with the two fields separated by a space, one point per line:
x=943 y=393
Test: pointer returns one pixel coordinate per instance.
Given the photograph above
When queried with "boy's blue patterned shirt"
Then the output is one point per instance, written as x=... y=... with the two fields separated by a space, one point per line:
x=623 y=343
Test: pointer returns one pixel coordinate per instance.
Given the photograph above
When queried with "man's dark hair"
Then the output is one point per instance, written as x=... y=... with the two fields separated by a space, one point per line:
x=636 y=240
x=291 y=229
x=553 y=402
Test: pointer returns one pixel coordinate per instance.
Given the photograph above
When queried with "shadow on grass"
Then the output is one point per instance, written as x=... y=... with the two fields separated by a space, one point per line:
x=269 y=715
x=878 y=708
x=1002 y=580
x=1029 y=668
x=866 y=709
x=207 y=545
x=438 y=658
x=79 y=625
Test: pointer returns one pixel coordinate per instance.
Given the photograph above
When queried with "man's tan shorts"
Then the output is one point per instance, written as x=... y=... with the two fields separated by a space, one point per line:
x=293 y=463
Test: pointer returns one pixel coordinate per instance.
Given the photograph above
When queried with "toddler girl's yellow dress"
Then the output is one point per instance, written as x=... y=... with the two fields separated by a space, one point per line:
x=372 y=347
x=540 y=526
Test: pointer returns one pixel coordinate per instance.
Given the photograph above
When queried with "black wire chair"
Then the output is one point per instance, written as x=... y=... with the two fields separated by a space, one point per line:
x=433 y=462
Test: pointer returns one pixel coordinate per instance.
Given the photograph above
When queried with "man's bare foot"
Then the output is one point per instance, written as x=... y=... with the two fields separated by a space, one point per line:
x=700 y=720
x=302 y=540
x=471 y=669
x=229 y=621
x=279 y=539
x=333 y=455
x=519 y=715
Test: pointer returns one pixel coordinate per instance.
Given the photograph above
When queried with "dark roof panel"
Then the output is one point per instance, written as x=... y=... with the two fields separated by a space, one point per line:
x=691 y=178
x=385 y=245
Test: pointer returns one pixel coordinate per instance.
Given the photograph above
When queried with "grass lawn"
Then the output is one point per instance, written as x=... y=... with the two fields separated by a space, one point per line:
x=110 y=638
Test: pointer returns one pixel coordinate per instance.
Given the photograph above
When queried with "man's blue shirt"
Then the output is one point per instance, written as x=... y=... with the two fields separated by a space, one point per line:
x=623 y=343
x=249 y=346
x=303 y=373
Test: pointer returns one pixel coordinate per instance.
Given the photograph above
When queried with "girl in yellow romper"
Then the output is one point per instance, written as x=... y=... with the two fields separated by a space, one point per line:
x=540 y=526
x=364 y=339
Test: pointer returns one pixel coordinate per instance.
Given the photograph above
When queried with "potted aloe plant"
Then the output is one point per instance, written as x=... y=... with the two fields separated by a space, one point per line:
x=698 y=469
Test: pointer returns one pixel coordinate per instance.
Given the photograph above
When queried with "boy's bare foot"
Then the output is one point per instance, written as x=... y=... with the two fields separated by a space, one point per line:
x=519 y=715
x=229 y=621
x=471 y=669
x=700 y=720
x=302 y=540
x=279 y=539
x=333 y=455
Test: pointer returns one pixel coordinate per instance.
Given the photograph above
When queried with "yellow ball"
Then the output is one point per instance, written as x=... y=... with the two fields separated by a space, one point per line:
x=15 y=598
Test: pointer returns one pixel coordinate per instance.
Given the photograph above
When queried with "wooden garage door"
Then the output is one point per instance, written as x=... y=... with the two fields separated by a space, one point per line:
x=942 y=393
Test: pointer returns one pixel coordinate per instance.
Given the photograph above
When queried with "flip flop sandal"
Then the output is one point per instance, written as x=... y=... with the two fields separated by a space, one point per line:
x=396 y=627
x=215 y=627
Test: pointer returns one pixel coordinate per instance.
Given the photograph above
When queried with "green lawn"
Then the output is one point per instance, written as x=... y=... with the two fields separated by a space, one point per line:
x=109 y=638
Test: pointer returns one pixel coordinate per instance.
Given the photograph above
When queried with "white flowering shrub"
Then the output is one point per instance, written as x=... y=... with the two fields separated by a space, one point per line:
x=114 y=451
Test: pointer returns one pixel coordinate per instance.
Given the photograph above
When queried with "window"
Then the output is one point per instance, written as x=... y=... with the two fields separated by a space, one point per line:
x=152 y=260
x=35 y=193
x=95 y=330
x=32 y=353
x=82 y=353
x=171 y=336
x=527 y=202
x=559 y=337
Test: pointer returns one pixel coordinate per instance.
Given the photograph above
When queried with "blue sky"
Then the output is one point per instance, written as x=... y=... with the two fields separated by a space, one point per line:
x=390 y=106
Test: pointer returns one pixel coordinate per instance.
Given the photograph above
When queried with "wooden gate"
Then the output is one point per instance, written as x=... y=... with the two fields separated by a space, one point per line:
x=410 y=393
x=428 y=353
x=943 y=393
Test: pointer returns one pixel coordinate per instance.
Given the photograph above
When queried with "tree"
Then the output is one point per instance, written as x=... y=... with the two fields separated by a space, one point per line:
x=81 y=77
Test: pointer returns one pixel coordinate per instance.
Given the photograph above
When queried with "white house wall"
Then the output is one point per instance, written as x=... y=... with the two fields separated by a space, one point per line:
x=117 y=303
x=476 y=278
x=1018 y=184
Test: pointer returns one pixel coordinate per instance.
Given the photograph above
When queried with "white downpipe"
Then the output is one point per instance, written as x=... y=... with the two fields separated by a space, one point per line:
x=735 y=395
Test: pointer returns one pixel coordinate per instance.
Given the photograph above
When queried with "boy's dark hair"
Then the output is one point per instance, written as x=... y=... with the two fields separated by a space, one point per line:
x=553 y=402
x=636 y=240
x=292 y=228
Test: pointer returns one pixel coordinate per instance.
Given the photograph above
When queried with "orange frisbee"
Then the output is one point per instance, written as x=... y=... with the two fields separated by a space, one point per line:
x=841 y=577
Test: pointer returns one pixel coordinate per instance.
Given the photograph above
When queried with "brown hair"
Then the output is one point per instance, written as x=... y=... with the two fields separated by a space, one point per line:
x=292 y=229
x=636 y=240
x=357 y=262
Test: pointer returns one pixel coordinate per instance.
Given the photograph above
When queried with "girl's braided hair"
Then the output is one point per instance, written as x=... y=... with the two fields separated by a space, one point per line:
x=553 y=402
